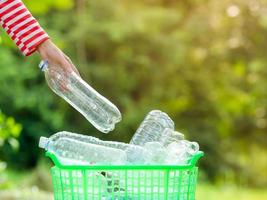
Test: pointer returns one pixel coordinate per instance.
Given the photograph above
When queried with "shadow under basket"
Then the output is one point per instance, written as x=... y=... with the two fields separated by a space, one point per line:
x=127 y=182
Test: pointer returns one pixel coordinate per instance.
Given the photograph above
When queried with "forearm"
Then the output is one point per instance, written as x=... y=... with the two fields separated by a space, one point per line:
x=21 y=26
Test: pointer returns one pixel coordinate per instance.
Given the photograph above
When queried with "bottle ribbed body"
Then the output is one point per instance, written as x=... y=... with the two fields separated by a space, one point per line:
x=134 y=153
x=74 y=152
x=98 y=110
x=152 y=128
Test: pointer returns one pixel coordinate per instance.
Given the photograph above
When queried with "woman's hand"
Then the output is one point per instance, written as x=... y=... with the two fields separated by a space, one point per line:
x=55 y=57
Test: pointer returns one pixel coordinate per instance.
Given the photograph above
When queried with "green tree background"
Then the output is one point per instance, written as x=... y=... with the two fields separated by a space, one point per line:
x=201 y=61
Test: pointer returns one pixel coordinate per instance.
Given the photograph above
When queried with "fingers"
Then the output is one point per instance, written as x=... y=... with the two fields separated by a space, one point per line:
x=55 y=57
x=72 y=65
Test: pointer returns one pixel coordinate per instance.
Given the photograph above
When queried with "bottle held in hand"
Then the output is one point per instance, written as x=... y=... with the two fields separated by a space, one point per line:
x=98 y=110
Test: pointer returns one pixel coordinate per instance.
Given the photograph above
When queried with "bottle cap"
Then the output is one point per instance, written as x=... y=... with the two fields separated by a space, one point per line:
x=43 y=142
x=43 y=65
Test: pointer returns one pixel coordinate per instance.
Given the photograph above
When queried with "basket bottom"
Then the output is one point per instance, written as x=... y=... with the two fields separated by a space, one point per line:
x=124 y=184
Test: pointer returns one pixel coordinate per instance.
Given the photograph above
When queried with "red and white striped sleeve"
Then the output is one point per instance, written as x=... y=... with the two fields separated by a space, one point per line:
x=21 y=26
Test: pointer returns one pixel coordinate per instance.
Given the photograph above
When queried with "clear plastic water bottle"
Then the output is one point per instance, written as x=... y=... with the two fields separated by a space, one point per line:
x=180 y=152
x=98 y=110
x=169 y=136
x=74 y=152
x=155 y=153
x=152 y=128
x=135 y=154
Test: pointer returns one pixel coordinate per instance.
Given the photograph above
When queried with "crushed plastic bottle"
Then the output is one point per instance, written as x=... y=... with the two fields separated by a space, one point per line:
x=155 y=153
x=98 y=110
x=152 y=128
x=73 y=152
x=169 y=136
x=134 y=153
x=180 y=152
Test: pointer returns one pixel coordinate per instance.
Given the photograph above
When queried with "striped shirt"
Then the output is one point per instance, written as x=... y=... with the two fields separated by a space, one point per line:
x=21 y=26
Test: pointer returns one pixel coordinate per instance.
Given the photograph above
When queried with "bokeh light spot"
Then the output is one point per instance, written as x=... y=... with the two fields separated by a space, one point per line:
x=233 y=11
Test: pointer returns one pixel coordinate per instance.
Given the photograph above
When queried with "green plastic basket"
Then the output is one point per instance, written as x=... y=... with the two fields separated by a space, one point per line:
x=124 y=182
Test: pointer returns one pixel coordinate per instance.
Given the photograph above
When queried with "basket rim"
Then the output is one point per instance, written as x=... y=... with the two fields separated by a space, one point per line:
x=192 y=163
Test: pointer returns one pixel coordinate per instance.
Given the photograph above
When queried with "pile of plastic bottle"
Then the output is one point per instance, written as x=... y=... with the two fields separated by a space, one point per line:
x=155 y=142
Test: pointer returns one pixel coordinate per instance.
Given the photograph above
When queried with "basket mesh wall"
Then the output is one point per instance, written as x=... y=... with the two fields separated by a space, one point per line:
x=124 y=184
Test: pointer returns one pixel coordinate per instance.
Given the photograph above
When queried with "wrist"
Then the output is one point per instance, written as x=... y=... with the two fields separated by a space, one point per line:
x=43 y=46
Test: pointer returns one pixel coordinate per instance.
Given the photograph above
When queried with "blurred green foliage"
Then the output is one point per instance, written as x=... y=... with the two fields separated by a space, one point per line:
x=203 y=62
x=9 y=131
